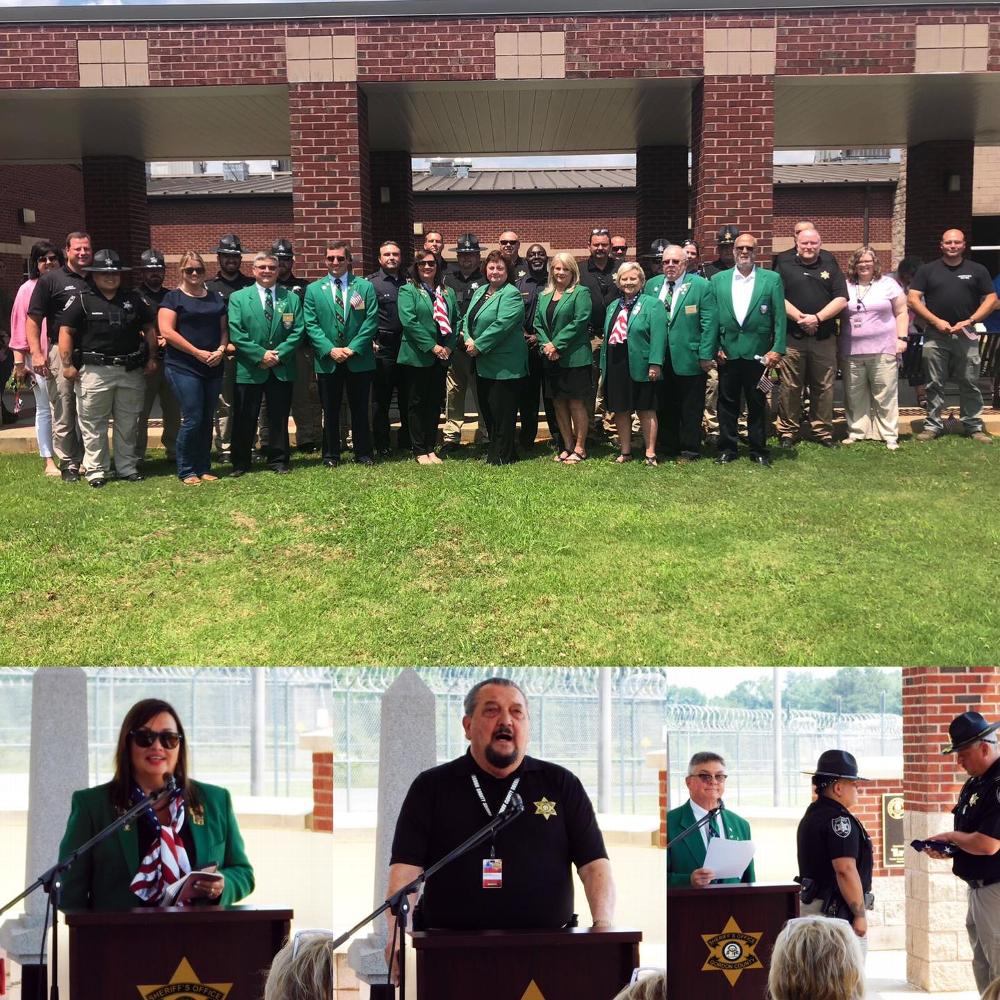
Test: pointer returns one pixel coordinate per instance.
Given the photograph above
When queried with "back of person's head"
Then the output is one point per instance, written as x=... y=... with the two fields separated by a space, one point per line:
x=647 y=988
x=303 y=971
x=992 y=991
x=816 y=958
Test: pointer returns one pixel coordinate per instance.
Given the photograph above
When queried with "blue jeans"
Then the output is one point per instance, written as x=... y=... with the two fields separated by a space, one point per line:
x=197 y=397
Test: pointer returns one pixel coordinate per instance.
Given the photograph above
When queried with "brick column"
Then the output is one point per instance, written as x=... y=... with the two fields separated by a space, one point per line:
x=931 y=207
x=887 y=922
x=115 y=205
x=322 y=782
x=392 y=201
x=662 y=782
x=938 y=957
x=330 y=173
x=732 y=159
x=661 y=196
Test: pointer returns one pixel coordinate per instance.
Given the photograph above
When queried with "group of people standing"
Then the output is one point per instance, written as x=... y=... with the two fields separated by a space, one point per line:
x=231 y=357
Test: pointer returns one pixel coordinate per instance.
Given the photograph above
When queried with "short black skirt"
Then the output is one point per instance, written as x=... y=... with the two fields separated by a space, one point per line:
x=568 y=383
x=621 y=394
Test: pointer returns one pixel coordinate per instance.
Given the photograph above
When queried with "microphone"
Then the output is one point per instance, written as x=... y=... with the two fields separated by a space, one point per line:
x=513 y=809
x=169 y=785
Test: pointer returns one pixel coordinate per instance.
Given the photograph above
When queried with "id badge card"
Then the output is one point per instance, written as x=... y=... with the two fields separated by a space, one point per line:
x=492 y=873
x=857 y=321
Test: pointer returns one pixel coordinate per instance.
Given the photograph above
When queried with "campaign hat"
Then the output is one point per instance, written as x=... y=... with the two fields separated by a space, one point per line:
x=966 y=729
x=838 y=764
x=230 y=243
x=283 y=249
x=151 y=258
x=107 y=262
x=467 y=243
x=727 y=235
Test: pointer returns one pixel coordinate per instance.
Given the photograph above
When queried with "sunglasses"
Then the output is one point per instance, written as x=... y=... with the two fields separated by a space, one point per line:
x=427 y=263
x=50 y=259
x=265 y=267
x=192 y=270
x=335 y=258
x=145 y=738
x=302 y=935
x=508 y=243
x=599 y=232
x=706 y=779
x=744 y=249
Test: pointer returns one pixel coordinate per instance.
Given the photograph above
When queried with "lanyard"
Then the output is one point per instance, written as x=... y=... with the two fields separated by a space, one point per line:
x=506 y=801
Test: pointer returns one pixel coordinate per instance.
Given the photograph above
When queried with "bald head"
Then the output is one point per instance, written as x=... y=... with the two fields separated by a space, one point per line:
x=807 y=245
x=953 y=245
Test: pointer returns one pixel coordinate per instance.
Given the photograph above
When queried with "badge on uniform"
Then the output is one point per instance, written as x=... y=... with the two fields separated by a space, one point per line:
x=492 y=873
x=763 y=308
x=287 y=319
x=841 y=826
x=691 y=310
x=825 y=275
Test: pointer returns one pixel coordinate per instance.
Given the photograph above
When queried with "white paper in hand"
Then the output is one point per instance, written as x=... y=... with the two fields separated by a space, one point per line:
x=728 y=858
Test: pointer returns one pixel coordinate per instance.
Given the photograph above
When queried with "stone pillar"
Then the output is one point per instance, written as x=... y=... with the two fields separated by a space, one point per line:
x=116 y=206
x=661 y=196
x=407 y=746
x=392 y=201
x=57 y=768
x=330 y=173
x=732 y=159
x=938 y=193
x=938 y=956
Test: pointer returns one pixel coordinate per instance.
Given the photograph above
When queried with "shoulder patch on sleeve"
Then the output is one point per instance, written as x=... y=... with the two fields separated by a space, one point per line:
x=841 y=826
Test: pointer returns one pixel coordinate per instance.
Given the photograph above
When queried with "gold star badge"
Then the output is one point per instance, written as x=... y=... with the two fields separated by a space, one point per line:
x=532 y=992
x=183 y=984
x=825 y=275
x=545 y=808
x=732 y=951
x=974 y=799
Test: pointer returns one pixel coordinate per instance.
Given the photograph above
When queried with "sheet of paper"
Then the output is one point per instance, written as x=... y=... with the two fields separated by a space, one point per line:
x=728 y=858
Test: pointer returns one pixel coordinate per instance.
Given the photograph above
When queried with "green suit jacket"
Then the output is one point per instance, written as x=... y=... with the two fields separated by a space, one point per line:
x=100 y=879
x=251 y=336
x=359 y=330
x=647 y=336
x=692 y=330
x=420 y=330
x=689 y=854
x=499 y=333
x=763 y=328
x=570 y=331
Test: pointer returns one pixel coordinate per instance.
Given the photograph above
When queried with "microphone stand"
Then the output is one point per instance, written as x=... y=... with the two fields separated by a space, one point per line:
x=399 y=904
x=704 y=821
x=51 y=879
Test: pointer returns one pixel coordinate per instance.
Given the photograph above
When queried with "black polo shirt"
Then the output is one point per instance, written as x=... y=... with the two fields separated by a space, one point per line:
x=825 y=257
x=828 y=831
x=978 y=811
x=951 y=293
x=811 y=287
x=464 y=288
x=51 y=294
x=295 y=284
x=557 y=828
x=152 y=299
x=603 y=291
x=714 y=267
x=225 y=287
x=530 y=287
x=390 y=330
x=107 y=326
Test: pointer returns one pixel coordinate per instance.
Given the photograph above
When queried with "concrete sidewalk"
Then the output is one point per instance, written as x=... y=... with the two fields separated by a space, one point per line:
x=885 y=979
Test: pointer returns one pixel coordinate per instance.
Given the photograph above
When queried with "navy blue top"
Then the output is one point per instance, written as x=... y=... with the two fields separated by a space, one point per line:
x=198 y=323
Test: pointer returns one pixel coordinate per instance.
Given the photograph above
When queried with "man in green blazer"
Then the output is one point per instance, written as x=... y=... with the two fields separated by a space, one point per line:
x=101 y=879
x=693 y=340
x=706 y=780
x=265 y=328
x=752 y=324
x=341 y=321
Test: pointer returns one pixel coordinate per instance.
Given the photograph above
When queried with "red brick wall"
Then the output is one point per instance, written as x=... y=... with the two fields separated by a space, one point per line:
x=116 y=205
x=932 y=697
x=869 y=811
x=322 y=782
x=662 y=835
x=930 y=209
x=394 y=220
x=661 y=194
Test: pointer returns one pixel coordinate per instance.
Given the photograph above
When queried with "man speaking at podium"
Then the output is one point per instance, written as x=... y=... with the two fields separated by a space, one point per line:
x=706 y=783
x=522 y=879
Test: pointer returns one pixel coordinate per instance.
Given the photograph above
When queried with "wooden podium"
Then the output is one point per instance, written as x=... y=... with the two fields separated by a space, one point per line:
x=720 y=938
x=151 y=952
x=568 y=964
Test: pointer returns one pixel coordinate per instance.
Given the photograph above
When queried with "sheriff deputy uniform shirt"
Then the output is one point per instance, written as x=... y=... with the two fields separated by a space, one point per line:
x=828 y=831
x=557 y=828
x=978 y=811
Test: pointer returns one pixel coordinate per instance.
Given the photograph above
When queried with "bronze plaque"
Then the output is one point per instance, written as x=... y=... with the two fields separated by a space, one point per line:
x=893 y=841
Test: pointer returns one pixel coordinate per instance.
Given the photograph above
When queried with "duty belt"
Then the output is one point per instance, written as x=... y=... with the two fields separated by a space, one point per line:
x=118 y=360
x=981 y=883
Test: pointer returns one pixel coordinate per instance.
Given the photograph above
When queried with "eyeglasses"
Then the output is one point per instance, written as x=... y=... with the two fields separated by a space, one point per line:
x=302 y=935
x=191 y=271
x=145 y=738
x=744 y=249
x=706 y=779
x=265 y=267
x=334 y=258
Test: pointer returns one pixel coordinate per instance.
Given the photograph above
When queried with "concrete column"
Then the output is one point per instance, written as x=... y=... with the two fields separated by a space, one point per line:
x=661 y=196
x=732 y=159
x=331 y=178
x=392 y=201
x=938 y=956
x=938 y=193
x=115 y=205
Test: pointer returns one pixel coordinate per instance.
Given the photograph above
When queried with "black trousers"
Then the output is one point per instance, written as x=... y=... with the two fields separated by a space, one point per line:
x=425 y=398
x=682 y=406
x=498 y=404
x=738 y=379
x=527 y=404
x=246 y=404
x=389 y=377
x=331 y=394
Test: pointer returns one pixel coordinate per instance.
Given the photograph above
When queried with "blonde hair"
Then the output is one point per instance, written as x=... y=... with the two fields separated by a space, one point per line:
x=647 y=988
x=568 y=261
x=816 y=958
x=631 y=265
x=992 y=992
x=187 y=257
x=307 y=976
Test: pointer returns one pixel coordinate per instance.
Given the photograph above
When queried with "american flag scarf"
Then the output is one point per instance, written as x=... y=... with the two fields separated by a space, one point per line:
x=619 y=332
x=167 y=860
x=440 y=313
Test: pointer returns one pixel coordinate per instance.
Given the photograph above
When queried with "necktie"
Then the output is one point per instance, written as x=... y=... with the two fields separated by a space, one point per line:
x=268 y=306
x=713 y=827
x=339 y=296
x=670 y=297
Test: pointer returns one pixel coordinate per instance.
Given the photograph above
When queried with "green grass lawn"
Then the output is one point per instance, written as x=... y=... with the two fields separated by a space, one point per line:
x=856 y=556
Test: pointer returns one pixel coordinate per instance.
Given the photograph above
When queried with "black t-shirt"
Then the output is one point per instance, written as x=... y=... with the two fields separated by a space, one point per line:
x=557 y=828
x=714 y=267
x=811 y=287
x=828 y=831
x=51 y=295
x=951 y=293
x=464 y=288
x=107 y=326
x=151 y=298
x=295 y=284
x=225 y=287
x=978 y=811
x=603 y=291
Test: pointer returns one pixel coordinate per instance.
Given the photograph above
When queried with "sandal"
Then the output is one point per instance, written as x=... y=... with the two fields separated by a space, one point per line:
x=561 y=457
x=209 y=478
x=191 y=481
x=622 y=457
x=651 y=461
x=575 y=458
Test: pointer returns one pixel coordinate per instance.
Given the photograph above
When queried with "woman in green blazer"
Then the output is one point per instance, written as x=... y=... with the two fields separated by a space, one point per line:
x=428 y=313
x=562 y=322
x=635 y=337
x=493 y=331
x=193 y=829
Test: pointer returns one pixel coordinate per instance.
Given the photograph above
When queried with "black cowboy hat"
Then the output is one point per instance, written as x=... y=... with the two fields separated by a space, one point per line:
x=837 y=764
x=967 y=728
x=107 y=262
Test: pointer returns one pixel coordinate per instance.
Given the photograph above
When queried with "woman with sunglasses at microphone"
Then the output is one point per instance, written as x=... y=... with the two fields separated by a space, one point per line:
x=193 y=322
x=192 y=829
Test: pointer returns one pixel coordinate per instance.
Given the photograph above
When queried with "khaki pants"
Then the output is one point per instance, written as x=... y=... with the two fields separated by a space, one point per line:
x=956 y=359
x=815 y=909
x=982 y=921
x=67 y=442
x=461 y=381
x=103 y=393
x=871 y=397
x=813 y=363
x=224 y=408
x=710 y=421
x=157 y=387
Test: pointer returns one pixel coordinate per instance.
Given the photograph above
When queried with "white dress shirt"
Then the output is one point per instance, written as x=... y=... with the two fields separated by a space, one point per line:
x=263 y=293
x=700 y=814
x=742 y=293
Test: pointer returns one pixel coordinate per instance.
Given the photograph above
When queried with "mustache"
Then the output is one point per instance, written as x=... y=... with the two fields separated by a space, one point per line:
x=503 y=731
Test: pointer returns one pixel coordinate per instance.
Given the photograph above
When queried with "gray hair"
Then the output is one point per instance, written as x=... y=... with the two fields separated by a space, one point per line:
x=309 y=975
x=265 y=255
x=816 y=958
x=704 y=757
x=469 y=705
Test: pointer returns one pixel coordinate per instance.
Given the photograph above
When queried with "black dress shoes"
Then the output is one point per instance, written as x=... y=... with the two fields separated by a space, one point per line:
x=725 y=457
x=762 y=460
x=71 y=474
x=97 y=483
x=331 y=463
x=282 y=470
x=828 y=443
x=236 y=473
x=365 y=460
x=136 y=477
x=787 y=442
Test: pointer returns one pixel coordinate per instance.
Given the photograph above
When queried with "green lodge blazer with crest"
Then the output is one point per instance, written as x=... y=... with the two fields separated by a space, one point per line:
x=498 y=332
x=647 y=336
x=420 y=329
x=689 y=854
x=765 y=324
x=359 y=328
x=570 y=331
x=692 y=330
x=250 y=335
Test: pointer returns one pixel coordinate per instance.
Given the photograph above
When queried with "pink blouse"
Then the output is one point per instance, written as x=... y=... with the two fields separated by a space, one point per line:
x=18 y=340
x=869 y=321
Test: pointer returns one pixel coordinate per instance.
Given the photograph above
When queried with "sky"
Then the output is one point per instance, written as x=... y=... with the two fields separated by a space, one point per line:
x=721 y=680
